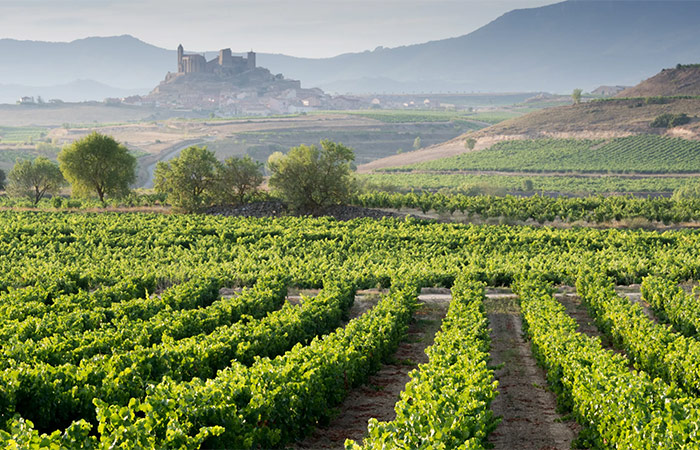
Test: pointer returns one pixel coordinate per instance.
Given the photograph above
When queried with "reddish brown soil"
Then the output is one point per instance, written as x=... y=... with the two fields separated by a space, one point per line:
x=528 y=409
x=378 y=396
x=586 y=325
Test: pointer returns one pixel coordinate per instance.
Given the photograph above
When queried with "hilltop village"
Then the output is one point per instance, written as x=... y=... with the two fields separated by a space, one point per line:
x=232 y=85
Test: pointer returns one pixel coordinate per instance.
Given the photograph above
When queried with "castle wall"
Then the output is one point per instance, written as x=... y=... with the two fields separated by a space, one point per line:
x=194 y=63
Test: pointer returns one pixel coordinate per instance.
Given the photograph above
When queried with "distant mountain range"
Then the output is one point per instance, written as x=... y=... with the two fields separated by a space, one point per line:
x=555 y=48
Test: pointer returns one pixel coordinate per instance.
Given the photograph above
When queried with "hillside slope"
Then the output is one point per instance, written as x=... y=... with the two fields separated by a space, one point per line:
x=681 y=80
x=592 y=120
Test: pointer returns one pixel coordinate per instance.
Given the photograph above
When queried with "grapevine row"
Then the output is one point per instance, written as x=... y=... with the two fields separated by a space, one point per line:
x=263 y=406
x=621 y=408
x=53 y=396
x=671 y=303
x=654 y=348
x=446 y=403
x=541 y=208
x=123 y=334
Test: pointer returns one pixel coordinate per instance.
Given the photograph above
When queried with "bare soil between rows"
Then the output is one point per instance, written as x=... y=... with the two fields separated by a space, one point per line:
x=528 y=410
x=377 y=397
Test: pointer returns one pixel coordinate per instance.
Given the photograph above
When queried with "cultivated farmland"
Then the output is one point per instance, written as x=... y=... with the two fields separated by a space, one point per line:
x=164 y=331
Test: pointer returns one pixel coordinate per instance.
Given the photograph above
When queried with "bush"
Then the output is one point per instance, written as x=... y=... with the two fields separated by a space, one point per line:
x=669 y=120
x=57 y=202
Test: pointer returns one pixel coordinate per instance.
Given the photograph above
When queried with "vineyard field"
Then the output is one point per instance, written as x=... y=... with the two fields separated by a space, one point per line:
x=178 y=331
x=486 y=183
x=633 y=154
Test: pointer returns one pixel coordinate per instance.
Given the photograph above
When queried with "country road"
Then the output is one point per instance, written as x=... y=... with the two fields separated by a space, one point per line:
x=148 y=164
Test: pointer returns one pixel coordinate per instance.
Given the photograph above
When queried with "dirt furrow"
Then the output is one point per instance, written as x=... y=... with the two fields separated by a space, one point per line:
x=378 y=396
x=528 y=409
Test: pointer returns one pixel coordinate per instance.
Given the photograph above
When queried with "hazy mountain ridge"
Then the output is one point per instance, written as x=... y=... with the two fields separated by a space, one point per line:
x=577 y=43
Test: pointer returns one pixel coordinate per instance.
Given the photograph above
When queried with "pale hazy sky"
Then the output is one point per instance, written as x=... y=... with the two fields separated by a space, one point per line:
x=311 y=28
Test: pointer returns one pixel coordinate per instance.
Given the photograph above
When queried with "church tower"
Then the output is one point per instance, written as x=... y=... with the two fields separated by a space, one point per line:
x=180 y=52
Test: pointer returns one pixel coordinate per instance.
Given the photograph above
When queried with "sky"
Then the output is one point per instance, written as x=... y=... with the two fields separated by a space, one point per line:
x=308 y=28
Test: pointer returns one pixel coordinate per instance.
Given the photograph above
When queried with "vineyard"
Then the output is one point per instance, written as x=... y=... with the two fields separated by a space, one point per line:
x=164 y=331
x=634 y=154
x=20 y=135
x=565 y=184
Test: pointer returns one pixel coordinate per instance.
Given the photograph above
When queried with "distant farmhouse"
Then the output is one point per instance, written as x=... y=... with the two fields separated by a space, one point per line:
x=224 y=65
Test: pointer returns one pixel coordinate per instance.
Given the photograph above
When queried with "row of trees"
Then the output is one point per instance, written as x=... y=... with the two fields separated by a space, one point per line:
x=196 y=179
x=308 y=178
x=96 y=164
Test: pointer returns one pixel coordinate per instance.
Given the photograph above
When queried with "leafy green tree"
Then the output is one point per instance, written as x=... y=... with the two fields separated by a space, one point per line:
x=470 y=143
x=310 y=178
x=35 y=179
x=417 y=143
x=98 y=164
x=237 y=178
x=576 y=96
x=2 y=179
x=189 y=180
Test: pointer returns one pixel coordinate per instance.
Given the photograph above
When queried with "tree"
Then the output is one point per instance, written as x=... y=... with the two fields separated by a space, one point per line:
x=98 y=164
x=576 y=96
x=310 y=178
x=35 y=179
x=417 y=143
x=2 y=179
x=470 y=143
x=189 y=180
x=237 y=178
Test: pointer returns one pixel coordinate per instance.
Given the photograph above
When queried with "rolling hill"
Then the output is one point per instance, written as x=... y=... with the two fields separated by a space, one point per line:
x=592 y=120
x=681 y=80
x=599 y=146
